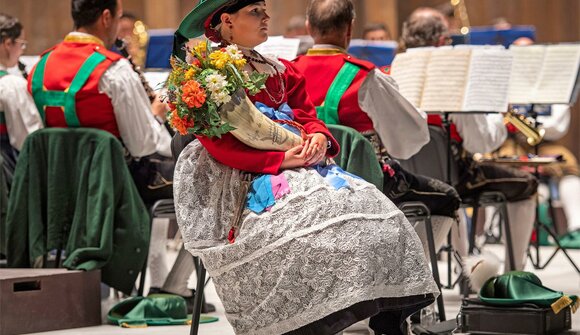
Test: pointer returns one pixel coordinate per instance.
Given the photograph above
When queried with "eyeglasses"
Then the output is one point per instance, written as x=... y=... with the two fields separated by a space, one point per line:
x=23 y=43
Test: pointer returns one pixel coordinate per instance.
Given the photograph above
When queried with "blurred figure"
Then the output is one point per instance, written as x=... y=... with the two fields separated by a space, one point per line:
x=376 y=32
x=133 y=33
x=18 y=114
x=424 y=27
x=501 y=23
x=296 y=28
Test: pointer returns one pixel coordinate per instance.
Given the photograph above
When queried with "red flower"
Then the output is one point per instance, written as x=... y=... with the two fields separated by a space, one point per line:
x=193 y=94
x=181 y=124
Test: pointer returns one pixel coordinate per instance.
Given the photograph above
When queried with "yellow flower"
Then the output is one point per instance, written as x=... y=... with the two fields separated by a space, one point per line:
x=240 y=63
x=200 y=48
x=189 y=74
x=219 y=59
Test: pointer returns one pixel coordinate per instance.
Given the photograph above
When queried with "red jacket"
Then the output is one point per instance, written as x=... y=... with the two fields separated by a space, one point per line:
x=231 y=152
x=320 y=71
x=93 y=109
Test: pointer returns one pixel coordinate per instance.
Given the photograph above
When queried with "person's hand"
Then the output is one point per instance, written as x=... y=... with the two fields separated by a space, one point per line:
x=294 y=157
x=316 y=146
x=159 y=108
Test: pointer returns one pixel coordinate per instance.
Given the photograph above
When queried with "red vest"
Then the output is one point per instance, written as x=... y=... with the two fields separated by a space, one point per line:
x=320 y=71
x=93 y=109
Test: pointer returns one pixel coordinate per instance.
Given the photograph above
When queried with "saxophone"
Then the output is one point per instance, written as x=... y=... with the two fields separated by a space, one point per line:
x=461 y=13
x=533 y=135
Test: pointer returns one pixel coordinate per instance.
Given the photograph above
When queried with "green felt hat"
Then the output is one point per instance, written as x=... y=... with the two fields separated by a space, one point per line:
x=193 y=25
x=519 y=287
x=154 y=310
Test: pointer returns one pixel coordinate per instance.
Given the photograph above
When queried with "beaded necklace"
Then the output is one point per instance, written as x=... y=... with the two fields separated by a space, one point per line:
x=281 y=85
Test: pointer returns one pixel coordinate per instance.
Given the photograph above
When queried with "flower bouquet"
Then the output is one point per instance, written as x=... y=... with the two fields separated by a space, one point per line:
x=207 y=97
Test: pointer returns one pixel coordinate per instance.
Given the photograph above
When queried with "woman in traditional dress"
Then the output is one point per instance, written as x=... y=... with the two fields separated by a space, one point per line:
x=329 y=250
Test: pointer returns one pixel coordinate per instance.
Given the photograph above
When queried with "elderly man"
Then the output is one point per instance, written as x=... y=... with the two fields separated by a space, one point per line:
x=355 y=93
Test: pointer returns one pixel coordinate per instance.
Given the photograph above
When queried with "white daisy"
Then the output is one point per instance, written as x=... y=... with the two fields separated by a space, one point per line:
x=221 y=97
x=215 y=82
x=234 y=52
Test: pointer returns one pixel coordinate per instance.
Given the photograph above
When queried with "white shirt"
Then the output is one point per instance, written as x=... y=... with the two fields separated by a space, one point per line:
x=402 y=128
x=140 y=132
x=556 y=124
x=22 y=117
x=481 y=133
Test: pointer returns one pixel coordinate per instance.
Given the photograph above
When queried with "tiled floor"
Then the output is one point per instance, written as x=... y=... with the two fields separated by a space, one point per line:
x=559 y=275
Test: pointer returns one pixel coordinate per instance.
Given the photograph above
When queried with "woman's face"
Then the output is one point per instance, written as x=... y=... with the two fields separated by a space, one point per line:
x=247 y=27
x=12 y=49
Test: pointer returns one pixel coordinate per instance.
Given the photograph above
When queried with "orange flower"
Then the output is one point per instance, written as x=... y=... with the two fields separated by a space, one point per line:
x=193 y=94
x=181 y=124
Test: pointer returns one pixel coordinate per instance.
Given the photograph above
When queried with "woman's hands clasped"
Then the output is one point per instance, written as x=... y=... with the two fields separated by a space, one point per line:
x=311 y=152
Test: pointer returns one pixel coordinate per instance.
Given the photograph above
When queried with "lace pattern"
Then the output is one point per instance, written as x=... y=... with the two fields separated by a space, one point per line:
x=317 y=251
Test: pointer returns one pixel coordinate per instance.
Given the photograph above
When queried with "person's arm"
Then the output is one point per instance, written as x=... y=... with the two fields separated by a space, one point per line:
x=140 y=132
x=481 y=133
x=402 y=128
x=303 y=108
x=22 y=117
x=556 y=124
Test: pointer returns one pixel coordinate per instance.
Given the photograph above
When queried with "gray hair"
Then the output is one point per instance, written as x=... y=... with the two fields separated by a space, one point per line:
x=424 y=27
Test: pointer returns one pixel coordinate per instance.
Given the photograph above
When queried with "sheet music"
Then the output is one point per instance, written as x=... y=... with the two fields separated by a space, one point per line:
x=280 y=47
x=558 y=75
x=409 y=71
x=488 y=81
x=525 y=72
x=446 y=80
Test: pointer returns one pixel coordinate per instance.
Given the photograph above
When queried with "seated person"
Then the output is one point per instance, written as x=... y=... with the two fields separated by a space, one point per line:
x=376 y=32
x=18 y=115
x=477 y=133
x=320 y=258
x=371 y=105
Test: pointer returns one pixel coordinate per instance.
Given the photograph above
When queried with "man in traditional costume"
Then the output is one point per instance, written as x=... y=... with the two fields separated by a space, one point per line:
x=18 y=115
x=79 y=83
x=354 y=93
x=476 y=133
x=322 y=256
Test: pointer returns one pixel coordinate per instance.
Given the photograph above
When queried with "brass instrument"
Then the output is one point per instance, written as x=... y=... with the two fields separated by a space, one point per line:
x=461 y=13
x=122 y=46
x=534 y=136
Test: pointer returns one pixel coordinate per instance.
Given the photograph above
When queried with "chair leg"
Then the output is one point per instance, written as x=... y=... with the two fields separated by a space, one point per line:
x=198 y=300
x=472 y=232
x=435 y=269
x=141 y=287
x=508 y=237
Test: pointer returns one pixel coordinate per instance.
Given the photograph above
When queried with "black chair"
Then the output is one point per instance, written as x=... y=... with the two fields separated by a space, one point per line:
x=432 y=161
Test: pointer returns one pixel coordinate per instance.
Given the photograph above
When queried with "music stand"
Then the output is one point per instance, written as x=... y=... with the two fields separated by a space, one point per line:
x=538 y=225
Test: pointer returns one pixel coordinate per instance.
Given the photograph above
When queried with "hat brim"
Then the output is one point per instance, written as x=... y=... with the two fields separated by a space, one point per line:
x=193 y=24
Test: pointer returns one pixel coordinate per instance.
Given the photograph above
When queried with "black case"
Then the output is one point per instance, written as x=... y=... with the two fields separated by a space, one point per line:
x=480 y=318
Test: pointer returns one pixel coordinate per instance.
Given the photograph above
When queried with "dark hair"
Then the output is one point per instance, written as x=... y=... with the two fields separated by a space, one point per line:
x=86 y=12
x=10 y=27
x=130 y=16
x=423 y=28
x=326 y=16
x=374 y=27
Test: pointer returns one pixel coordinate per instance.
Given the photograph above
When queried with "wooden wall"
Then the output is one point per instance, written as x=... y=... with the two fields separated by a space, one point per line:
x=47 y=21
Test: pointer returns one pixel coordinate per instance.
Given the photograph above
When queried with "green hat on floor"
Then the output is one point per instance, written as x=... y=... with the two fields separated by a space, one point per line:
x=518 y=287
x=154 y=310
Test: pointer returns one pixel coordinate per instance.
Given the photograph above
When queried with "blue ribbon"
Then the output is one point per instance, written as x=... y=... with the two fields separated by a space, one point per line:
x=284 y=112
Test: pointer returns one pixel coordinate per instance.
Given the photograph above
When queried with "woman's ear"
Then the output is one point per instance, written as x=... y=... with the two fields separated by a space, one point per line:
x=226 y=18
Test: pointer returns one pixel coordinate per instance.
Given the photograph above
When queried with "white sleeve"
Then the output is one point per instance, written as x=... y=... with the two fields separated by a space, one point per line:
x=557 y=124
x=22 y=117
x=481 y=133
x=140 y=132
x=402 y=128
